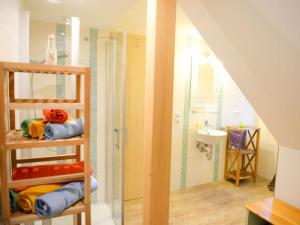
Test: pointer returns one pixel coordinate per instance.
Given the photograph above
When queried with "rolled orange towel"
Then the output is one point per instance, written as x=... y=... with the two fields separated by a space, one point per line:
x=36 y=129
x=55 y=115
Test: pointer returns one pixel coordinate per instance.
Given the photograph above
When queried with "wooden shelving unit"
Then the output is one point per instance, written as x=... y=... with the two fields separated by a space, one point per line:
x=12 y=140
x=241 y=163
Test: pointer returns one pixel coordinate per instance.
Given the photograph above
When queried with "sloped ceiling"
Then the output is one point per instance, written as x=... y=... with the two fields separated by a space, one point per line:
x=258 y=43
x=92 y=13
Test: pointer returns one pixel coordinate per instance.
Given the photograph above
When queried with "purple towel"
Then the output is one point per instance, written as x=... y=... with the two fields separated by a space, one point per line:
x=237 y=138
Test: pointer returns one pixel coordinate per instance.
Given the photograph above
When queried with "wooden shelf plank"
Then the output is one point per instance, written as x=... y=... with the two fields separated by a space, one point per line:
x=275 y=211
x=42 y=100
x=242 y=128
x=43 y=68
x=243 y=151
x=15 y=140
x=46 y=158
x=41 y=105
x=19 y=217
x=243 y=174
x=46 y=180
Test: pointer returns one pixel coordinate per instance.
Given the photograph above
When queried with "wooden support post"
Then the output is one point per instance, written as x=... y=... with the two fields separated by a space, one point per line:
x=158 y=110
x=256 y=154
x=77 y=218
x=87 y=160
x=12 y=115
x=238 y=167
x=5 y=207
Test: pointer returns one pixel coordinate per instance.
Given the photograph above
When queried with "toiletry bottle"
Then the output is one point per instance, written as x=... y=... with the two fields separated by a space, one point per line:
x=51 y=54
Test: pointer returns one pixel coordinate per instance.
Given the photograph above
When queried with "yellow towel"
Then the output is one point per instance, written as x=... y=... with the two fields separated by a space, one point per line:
x=26 y=199
x=36 y=129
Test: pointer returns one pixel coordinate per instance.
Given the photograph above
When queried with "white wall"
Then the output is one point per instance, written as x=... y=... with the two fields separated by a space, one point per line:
x=199 y=169
x=235 y=101
x=181 y=64
x=259 y=46
x=268 y=152
x=288 y=179
x=9 y=30
x=9 y=33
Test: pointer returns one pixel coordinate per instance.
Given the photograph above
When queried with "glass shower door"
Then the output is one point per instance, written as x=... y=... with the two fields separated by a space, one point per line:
x=118 y=125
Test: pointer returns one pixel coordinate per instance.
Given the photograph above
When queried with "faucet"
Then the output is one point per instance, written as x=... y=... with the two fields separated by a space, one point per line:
x=206 y=125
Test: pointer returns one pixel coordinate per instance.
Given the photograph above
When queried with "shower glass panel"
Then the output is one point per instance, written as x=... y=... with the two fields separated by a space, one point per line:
x=116 y=132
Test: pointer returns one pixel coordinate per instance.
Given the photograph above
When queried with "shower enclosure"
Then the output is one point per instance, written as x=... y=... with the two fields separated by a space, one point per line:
x=116 y=132
x=105 y=53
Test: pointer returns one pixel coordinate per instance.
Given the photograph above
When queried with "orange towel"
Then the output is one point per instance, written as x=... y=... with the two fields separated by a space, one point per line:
x=55 y=115
x=36 y=129
x=28 y=172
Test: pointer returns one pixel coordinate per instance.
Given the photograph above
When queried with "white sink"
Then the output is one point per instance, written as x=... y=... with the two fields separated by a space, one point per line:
x=210 y=136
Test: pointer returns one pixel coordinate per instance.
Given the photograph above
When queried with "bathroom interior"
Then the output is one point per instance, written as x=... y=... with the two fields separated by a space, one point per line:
x=204 y=97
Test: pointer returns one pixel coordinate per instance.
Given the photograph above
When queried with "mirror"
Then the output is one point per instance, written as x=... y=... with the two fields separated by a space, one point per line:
x=204 y=83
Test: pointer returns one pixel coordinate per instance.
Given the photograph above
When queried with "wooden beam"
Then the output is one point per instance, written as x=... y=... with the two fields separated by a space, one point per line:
x=40 y=105
x=5 y=207
x=46 y=158
x=87 y=137
x=158 y=110
x=12 y=114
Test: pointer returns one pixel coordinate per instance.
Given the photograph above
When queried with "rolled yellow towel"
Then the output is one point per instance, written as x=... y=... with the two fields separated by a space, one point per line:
x=26 y=199
x=36 y=129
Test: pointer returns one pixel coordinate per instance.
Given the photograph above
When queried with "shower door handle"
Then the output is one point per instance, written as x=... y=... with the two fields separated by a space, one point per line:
x=118 y=130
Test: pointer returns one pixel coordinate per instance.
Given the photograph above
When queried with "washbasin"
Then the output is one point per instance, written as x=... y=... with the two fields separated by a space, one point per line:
x=210 y=136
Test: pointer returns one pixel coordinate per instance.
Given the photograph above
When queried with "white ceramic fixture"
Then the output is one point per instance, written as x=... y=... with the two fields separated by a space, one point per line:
x=210 y=136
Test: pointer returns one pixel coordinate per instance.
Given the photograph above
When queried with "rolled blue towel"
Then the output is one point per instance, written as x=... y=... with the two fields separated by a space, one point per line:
x=68 y=129
x=54 y=203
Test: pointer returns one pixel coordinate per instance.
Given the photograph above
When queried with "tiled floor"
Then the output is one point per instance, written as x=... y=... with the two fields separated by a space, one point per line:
x=219 y=203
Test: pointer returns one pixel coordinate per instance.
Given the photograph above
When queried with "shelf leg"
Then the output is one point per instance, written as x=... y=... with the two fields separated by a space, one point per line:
x=238 y=168
x=87 y=159
x=77 y=219
x=5 y=206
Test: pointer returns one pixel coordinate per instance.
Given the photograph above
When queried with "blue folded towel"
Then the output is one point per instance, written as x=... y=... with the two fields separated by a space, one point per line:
x=68 y=129
x=54 y=203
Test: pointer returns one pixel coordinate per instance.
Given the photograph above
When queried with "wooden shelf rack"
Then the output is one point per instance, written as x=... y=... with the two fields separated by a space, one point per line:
x=241 y=163
x=12 y=140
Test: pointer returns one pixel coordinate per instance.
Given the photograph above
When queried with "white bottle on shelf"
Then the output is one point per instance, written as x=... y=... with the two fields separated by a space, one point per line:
x=51 y=53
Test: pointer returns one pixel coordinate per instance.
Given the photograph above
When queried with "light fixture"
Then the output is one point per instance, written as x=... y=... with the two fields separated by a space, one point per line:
x=67 y=20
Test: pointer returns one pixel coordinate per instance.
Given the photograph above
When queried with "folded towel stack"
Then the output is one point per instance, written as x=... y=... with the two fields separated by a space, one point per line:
x=57 y=201
x=26 y=199
x=56 y=124
x=71 y=128
x=28 y=172
x=25 y=126
x=51 y=199
x=55 y=116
